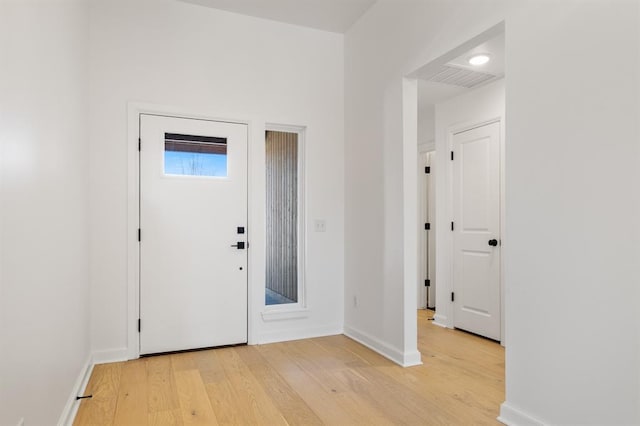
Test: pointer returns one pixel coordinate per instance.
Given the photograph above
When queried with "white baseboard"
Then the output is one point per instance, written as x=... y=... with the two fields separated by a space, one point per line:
x=282 y=314
x=387 y=351
x=412 y=358
x=511 y=416
x=113 y=355
x=297 y=334
x=71 y=407
x=440 y=320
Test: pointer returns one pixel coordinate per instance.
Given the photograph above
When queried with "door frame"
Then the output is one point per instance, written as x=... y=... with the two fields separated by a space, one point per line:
x=451 y=131
x=134 y=110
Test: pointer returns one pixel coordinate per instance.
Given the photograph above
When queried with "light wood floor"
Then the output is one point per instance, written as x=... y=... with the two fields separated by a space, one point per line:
x=329 y=380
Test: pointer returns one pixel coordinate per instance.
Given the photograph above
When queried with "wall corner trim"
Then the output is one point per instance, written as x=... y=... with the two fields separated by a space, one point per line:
x=512 y=416
x=404 y=359
x=68 y=414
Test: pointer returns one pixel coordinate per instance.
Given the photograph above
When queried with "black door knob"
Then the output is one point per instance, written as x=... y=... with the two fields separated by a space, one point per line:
x=239 y=246
x=493 y=243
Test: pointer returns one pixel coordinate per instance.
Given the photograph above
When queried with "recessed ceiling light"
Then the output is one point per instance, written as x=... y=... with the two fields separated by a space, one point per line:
x=479 y=59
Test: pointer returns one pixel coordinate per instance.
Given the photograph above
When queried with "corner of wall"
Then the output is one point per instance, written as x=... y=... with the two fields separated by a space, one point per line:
x=404 y=359
x=71 y=407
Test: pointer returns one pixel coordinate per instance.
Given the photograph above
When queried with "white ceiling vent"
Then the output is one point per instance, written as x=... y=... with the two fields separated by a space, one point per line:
x=461 y=77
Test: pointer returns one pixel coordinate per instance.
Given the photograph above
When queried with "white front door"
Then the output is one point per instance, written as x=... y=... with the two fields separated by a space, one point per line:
x=193 y=211
x=476 y=227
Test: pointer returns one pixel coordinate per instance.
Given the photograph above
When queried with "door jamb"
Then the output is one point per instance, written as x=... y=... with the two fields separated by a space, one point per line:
x=134 y=110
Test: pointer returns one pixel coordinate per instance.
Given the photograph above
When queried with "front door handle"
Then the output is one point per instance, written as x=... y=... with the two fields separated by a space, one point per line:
x=493 y=243
x=239 y=245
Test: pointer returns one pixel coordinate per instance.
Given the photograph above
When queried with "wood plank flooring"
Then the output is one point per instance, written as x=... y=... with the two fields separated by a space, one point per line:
x=328 y=380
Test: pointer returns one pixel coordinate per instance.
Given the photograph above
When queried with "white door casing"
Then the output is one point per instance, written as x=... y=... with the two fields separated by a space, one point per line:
x=476 y=221
x=193 y=283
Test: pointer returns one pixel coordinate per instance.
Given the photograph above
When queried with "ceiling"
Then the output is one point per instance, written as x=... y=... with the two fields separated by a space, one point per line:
x=430 y=92
x=328 y=15
x=495 y=47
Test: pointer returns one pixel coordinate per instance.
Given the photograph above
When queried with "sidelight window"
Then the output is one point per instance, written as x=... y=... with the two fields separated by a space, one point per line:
x=284 y=211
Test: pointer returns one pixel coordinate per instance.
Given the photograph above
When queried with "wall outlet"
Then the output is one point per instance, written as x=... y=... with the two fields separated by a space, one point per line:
x=320 y=225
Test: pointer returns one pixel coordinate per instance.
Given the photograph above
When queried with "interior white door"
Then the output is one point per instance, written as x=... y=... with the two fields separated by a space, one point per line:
x=476 y=240
x=193 y=210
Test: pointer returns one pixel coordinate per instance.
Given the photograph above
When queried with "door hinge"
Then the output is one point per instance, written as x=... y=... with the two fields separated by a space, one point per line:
x=451 y=155
x=139 y=325
x=139 y=144
x=427 y=226
x=453 y=297
x=427 y=170
x=452 y=227
x=139 y=235
x=427 y=283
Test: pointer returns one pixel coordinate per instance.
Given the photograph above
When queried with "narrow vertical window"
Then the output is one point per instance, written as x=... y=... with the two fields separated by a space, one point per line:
x=283 y=217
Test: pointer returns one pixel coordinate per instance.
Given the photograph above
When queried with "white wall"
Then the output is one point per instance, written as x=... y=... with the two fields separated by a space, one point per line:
x=477 y=106
x=573 y=162
x=225 y=65
x=572 y=135
x=426 y=124
x=390 y=41
x=43 y=215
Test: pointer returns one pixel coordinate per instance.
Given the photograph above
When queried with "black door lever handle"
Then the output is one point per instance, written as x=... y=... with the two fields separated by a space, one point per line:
x=493 y=243
x=239 y=246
